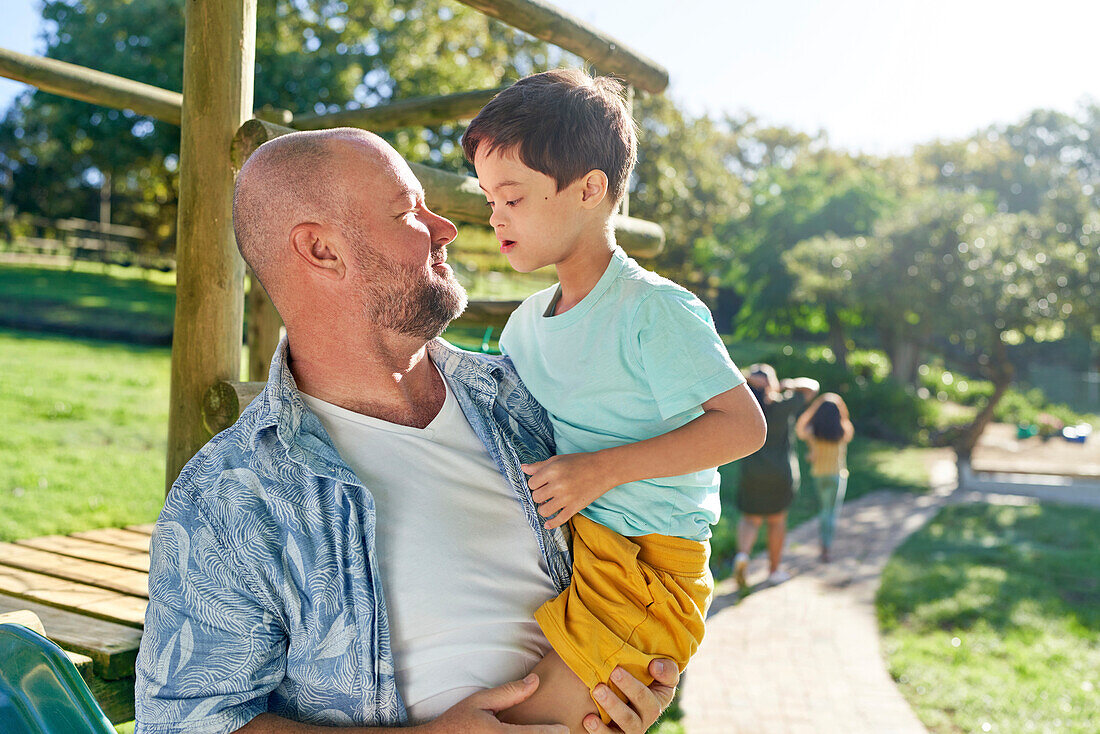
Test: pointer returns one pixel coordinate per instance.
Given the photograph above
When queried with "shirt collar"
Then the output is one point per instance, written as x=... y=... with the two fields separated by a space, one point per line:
x=281 y=407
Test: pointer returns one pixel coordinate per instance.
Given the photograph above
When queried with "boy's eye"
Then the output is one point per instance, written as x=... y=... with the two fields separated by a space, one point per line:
x=513 y=202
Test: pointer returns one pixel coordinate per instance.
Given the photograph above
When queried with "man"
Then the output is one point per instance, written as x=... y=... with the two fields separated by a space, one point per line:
x=360 y=548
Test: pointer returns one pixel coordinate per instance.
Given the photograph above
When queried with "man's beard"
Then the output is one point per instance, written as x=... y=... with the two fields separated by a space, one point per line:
x=403 y=300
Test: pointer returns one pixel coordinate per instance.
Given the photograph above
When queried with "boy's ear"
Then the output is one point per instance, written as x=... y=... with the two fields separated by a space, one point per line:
x=593 y=188
x=312 y=244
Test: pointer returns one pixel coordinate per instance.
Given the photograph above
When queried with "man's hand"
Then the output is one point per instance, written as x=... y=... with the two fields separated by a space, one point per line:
x=567 y=484
x=648 y=703
x=476 y=714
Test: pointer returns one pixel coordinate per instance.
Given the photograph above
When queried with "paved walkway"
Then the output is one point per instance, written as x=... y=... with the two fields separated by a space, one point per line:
x=804 y=657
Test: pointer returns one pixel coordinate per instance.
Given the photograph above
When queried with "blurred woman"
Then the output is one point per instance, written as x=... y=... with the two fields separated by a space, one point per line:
x=769 y=478
x=827 y=429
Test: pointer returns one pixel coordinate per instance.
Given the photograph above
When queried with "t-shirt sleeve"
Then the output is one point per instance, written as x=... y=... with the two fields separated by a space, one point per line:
x=211 y=653
x=684 y=360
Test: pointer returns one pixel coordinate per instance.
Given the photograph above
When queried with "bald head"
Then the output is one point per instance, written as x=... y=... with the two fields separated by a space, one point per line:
x=295 y=178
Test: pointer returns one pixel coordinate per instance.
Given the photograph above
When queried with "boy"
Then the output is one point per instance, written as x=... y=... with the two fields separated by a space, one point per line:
x=642 y=395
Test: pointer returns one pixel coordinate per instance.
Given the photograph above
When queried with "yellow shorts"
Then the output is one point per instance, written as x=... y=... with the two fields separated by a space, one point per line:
x=631 y=600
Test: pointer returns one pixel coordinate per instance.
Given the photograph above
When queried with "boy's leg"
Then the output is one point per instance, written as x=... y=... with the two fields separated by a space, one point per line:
x=561 y=698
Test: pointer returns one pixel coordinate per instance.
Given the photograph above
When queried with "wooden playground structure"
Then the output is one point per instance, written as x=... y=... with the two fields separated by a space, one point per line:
x=90 y=588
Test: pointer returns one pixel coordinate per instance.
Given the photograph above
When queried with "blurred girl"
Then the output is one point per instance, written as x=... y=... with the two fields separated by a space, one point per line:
x=826 y=429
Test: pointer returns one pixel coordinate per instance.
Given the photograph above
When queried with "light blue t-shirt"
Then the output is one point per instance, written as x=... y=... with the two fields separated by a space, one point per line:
x=636 y=358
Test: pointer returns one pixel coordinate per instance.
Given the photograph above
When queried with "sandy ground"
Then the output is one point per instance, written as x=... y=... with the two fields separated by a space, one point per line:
x=1000 y=451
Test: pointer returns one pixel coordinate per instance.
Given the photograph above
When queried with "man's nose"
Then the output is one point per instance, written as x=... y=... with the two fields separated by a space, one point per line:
x=443 y=230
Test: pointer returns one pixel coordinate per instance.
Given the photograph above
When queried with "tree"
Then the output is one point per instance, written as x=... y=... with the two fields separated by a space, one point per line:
x=947 y=270
x=823 y=192
x=683 y=181
x=311 y=56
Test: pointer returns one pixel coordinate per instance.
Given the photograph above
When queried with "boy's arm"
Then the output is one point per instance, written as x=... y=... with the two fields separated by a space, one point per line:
x=731 y=427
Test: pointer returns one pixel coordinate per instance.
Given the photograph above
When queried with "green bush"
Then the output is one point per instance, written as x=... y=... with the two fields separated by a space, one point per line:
x=953 y=386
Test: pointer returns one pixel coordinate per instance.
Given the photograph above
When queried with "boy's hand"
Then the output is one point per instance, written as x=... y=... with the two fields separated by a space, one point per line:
x=567 y=484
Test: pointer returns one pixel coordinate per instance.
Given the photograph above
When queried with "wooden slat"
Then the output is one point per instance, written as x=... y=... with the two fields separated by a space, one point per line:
x=143 y=529
x=118 y=537
x=122 y=580
x=112 y=647
x=90 y=550
x=89 y=600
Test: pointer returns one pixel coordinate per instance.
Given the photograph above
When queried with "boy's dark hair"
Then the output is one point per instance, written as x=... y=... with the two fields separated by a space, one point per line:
x=825 y=423
x=561 y=123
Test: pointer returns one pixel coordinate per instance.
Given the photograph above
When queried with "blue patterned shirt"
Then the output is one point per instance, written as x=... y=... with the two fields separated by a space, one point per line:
x=264 y=589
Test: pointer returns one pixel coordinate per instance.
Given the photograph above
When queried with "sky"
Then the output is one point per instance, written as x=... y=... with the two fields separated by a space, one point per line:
x=878 y=76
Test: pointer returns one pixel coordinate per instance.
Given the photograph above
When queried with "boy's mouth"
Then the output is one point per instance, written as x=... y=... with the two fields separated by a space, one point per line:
x=507 y=245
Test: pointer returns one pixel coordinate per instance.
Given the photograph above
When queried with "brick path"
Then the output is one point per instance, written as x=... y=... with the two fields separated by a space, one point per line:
x=804 y=657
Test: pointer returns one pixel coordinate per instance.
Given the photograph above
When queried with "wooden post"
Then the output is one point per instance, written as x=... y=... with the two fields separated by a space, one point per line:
x=218 y=69
x=624 y=209
x=262 y=334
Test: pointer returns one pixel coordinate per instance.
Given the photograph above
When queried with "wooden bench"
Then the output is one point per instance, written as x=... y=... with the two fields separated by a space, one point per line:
x=90 y=590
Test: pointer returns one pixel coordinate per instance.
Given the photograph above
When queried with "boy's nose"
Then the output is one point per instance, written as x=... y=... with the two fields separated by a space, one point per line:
x=496 y=218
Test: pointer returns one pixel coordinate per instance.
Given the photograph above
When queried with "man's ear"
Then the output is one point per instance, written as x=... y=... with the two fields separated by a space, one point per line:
x=314 y=245
x=593 y=188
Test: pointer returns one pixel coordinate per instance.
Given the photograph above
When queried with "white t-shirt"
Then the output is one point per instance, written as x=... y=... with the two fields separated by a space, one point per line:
x=461 y=569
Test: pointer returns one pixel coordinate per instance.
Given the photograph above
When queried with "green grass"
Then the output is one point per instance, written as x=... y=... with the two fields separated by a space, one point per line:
x=991 y=619
x=872 y=465
x=83 y=427
x=88 y=299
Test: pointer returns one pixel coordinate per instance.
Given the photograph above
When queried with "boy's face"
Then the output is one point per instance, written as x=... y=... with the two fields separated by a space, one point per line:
x=536 y=224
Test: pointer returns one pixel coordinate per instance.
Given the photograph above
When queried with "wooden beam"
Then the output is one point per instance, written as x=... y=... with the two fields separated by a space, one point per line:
x=458 y=197
x=403 y=113
x=224 y=402
x=218 y=69
x=548 y=23
x=88 y=85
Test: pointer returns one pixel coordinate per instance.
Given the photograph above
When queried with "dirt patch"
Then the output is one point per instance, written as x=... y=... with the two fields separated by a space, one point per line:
x=1000 y=451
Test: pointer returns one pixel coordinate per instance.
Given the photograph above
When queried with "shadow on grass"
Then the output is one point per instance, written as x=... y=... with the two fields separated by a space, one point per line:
x=1005 y=567
x=86 y=304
